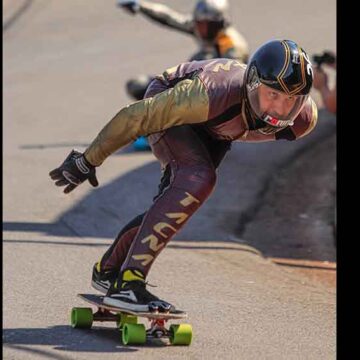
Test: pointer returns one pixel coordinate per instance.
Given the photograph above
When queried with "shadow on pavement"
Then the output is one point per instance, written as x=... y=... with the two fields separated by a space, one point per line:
x=66 y=338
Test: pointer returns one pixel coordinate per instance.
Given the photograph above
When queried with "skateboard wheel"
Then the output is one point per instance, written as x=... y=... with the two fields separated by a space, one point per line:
x=81 y=318
x=141 y=143
x=125 y=319
x=180 y=334
x=133 y=334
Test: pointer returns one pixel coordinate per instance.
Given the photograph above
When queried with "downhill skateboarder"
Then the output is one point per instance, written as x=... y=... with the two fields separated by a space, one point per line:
x=191 y=114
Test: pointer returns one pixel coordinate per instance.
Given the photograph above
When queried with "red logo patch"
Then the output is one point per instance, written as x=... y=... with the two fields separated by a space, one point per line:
x=271 y=120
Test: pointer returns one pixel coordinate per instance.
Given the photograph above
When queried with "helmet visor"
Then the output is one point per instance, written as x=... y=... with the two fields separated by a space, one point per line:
x=274 y=107
x=208 y=30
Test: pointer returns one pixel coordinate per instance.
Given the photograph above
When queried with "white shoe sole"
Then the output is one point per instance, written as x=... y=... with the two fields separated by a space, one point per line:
x=125 y=305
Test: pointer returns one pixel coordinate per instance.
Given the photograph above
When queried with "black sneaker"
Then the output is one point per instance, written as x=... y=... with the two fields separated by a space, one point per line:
x=102 y=280
x=133 y=296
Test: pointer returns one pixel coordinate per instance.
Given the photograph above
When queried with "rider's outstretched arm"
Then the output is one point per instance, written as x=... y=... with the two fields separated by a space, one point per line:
x=160 y=13
x=186 y=103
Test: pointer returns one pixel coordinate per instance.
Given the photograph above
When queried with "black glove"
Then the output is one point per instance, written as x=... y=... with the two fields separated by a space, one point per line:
x=74 y=171
x=131 y=6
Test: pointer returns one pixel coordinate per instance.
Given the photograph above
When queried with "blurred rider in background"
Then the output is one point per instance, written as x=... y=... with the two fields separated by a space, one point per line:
x=321 y=80
x=208 y=24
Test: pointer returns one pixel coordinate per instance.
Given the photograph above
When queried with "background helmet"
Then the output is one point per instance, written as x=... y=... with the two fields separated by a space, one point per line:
x=285 y=67
x=210 y=17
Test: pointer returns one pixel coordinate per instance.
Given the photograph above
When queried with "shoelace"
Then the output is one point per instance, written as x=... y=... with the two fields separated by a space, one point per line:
x=151 y=285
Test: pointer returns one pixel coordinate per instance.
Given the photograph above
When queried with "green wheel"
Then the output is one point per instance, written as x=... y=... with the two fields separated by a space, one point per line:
x=133 y=334
x=125 y=319
x=81 y=318
x=180 y=334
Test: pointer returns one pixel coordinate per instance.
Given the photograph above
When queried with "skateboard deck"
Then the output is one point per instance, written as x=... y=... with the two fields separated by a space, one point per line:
x=127 y=322
x=97 y=300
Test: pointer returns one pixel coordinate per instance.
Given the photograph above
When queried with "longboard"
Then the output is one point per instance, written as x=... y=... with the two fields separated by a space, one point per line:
x=127 y=322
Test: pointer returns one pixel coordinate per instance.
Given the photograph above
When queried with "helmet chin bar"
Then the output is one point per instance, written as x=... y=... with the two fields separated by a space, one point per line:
x=263 y=126
x=273 y=121
x=272 y=124
x=269 y=128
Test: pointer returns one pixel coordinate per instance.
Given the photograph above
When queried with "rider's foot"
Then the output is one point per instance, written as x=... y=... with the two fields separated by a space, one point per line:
x=131 y=294
x=102 y=280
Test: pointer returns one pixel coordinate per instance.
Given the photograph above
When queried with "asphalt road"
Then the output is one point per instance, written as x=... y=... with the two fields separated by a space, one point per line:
x=65 y=64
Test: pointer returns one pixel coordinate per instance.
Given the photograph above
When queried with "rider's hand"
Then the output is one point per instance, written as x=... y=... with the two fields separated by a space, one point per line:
x=73 y=171
x=132 y=6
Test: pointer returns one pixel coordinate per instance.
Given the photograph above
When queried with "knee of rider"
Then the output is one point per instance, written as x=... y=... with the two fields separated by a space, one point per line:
x=201 y=181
